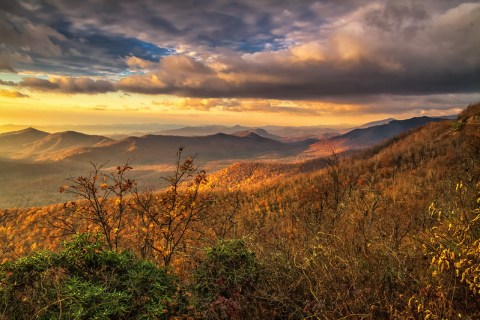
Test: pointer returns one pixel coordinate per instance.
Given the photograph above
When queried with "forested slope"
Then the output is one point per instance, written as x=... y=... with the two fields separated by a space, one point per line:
x=389 y=232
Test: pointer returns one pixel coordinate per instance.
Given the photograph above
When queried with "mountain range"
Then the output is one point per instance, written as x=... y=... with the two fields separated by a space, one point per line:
x=35 y=145
x=36 y=162
x=366 y=137
x=38 y=145
x=241 y=143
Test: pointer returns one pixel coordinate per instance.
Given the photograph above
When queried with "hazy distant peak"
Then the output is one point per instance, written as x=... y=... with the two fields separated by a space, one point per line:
x=69 y=134
x=220 y=134
x=252 y=134
x=257 y=132
x=415 y=120
x=376 y=123
x=27 y=133
x=369 y=136
x=29 y=130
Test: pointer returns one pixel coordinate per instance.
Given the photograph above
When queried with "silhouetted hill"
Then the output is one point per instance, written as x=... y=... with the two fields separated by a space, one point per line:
x=150 y=149
x=305 y=132
x=201 y=130
x=367 y=137
x=375 y=123
x=275 y=132
x=261 y=132
x=8 y=128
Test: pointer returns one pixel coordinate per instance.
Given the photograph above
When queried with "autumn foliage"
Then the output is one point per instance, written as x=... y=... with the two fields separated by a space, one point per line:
x=388 y=232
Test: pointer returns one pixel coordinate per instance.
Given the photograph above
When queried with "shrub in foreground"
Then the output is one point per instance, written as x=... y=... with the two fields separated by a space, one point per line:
x=86 y=281
x=225 y=281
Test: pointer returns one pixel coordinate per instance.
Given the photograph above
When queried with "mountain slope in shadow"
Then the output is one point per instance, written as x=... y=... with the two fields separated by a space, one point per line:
x=150 y=149
x=367 y=137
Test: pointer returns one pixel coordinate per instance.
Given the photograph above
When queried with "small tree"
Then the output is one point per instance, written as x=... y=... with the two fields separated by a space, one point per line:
x=97 y=190
x=168 y=216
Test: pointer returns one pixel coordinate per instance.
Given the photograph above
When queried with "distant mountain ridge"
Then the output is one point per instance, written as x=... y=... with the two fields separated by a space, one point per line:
x=12 y=140
x=71 y=146
x=365 y=137
x=375 y=123
x=275 y=132
x=36 y=162
x=34 y=144
x=261 y=132
x=150 y=149
x=202 y=130
x=242 y=143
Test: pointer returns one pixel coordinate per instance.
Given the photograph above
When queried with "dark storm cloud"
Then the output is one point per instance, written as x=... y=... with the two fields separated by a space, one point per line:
x=208 y=23
x=68 y=85
x=7 y=83
x=257 y=49
x=38 y=84
x=37 y=36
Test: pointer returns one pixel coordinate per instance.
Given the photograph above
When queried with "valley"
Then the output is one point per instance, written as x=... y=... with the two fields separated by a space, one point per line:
x=36 y=163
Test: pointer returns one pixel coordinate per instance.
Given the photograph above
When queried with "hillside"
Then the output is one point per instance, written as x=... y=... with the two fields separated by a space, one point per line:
x=36 y=163
x=369 y=136
x=261 y=132
x=12 y=142
x=367 y=233
x=151 y=149
x=32 y=144
x=34 y=158
x=375 y=123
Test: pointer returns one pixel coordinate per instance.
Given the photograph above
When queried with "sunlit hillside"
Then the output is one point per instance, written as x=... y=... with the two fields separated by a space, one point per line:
x=386 y=232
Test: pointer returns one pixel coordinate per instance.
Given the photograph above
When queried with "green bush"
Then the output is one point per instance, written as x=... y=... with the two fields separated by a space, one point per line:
x=86 y=281
x=226 y=280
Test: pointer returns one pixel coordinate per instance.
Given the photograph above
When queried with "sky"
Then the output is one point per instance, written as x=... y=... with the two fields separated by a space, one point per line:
x=250 y=62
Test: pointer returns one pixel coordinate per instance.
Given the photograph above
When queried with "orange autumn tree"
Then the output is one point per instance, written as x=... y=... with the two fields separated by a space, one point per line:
x=97 y=189
x=153 y=223
x=167 y=217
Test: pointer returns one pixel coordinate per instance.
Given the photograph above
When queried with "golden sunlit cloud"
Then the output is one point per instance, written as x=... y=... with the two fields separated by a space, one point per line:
x=12 y=94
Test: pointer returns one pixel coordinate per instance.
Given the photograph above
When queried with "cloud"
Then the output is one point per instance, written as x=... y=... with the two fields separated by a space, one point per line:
x=21 y=38
x=267 y=50
x=68 y=85
x=19 y=33
x=259 y=105
x=6 y=64
x=8 y=83
x=136 y=63
x=391 y=48
x=38 y=84
x=12 y=94
x=174 y=75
